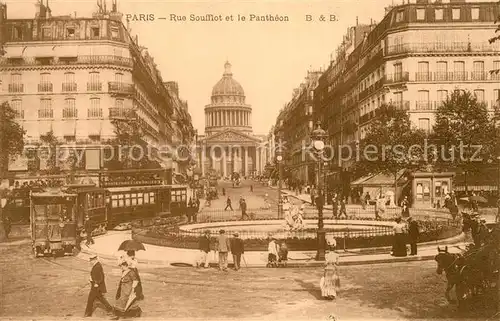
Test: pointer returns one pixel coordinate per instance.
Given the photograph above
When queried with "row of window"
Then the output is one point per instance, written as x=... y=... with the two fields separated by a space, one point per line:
x=439 y=14
x=124 y=200
x=69 y=110
x=69 y=78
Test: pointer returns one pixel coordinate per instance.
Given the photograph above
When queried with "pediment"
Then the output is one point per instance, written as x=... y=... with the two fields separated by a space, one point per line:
x=229 y=136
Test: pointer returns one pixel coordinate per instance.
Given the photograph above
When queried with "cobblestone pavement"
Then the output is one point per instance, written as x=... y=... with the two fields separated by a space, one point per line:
x=56 y=289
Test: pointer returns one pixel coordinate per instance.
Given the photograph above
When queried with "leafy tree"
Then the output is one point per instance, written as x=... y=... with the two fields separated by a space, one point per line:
x=391 y=145
x=464 y=134
x=131 y=150
x=11 y=144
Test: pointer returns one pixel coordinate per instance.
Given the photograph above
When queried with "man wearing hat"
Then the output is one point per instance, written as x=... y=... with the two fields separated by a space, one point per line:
x=237 y=249
x=413 y=233
x=97 y=287
x=88 y=230
x=204 y=246
x=223 y=247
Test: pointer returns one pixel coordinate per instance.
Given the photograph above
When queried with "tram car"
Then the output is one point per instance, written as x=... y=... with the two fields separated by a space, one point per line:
x=18 y=205
x=91 y=201
x=53 y=218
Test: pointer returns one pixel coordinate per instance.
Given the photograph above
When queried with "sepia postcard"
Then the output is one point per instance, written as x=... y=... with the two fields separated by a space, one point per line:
x=250 y=160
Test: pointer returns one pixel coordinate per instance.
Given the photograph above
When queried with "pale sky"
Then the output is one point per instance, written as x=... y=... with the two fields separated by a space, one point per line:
x=269 y=59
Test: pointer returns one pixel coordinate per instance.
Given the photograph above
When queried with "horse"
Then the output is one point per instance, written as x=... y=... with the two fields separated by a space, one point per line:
x=448 y=262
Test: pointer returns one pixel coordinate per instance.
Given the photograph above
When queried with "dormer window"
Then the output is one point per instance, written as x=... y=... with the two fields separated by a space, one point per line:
x=420 y=14
x=399 y=16
x=70 y=32
x=95 y=32
x=438 y=14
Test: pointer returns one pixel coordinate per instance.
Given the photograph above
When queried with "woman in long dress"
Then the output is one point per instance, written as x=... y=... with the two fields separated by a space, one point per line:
x=127 y=294
x=330 y=282
x=399 y=246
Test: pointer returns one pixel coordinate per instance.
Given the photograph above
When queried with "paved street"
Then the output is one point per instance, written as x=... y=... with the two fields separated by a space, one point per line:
x=53 y=289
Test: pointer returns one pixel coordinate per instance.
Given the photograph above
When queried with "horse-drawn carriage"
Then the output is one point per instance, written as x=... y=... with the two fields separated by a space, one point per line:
x=474 y=273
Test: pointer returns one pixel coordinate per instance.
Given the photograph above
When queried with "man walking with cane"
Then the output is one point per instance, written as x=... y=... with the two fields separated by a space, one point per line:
x=237 y=249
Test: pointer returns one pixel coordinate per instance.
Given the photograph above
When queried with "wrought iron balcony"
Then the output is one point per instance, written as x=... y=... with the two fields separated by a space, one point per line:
x=122 y=113
x=70 y=113
x=94 y=86
x=425 y=105
x=45 y=87
x=451 y=76
x=423 y=76
x=79 y=60
x=45 y=113
x=69 y=86
x=120 y=88
x=401 y=105
x=94 y=113
x=479 y=75
x=398 y=77
x=16 y=88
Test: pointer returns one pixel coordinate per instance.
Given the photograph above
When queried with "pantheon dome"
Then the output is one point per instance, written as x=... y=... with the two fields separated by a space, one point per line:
x=227 y=109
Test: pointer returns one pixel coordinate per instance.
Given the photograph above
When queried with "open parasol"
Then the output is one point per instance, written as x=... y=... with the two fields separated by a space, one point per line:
x=131 y=245
x=476 y=198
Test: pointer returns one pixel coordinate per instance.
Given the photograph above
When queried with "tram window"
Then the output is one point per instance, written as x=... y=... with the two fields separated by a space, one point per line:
x=114 y=203
x=127 y=200
x=134 y=199
x=152 y=197
x=140 y=199
x=146 y=198
x=121 y=202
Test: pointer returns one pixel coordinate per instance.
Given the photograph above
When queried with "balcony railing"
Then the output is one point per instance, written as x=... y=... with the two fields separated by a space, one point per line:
x=122 y=113
x=69 y=87
x=423 y=76
x=451 y=76
x=479 y=75
x=46 y=87
x=19 y=114
x=94 y=113
x=94 y=86
x=79 y=60
x=45 y=113
x=400 y=105
x=70 y=113
x=442 y=47
x=425 y=105
x=16 y=88
x=398 y=77
x=120 y=88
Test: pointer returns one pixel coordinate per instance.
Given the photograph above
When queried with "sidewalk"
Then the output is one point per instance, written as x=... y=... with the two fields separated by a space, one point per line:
x=157 y=256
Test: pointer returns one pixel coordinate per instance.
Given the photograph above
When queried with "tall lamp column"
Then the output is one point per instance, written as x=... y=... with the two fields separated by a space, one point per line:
x=279 y=159
x=318 y=137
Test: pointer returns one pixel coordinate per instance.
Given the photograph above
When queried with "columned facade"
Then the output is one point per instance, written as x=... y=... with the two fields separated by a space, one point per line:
x=229 y=145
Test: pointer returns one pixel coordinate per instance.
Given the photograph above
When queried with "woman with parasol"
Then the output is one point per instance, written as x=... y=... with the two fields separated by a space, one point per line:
x=330 y=282
x=127 y=295
x=130 y=247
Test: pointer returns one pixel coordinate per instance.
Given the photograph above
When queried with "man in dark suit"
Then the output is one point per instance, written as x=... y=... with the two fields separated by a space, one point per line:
x=237 y=249
x=88 y=230
x=413 y=233
x=97 y=287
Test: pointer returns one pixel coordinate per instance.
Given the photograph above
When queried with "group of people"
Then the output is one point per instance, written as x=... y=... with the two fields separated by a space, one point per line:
x=294 y=216
x=277 y=253
x=193 y=209
x=223 y=246
x=242 y=205
x=405 y=232
x=129 y=291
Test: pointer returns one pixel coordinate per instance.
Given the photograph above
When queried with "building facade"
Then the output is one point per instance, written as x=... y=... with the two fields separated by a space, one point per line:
x=74 y=76
x=294 y=125
x=413 y=59
x=229 y=145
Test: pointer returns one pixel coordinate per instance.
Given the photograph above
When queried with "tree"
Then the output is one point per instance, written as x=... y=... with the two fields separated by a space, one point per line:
x=11 y=145
x=391 y=145
x=464 y=134
x=130 y=147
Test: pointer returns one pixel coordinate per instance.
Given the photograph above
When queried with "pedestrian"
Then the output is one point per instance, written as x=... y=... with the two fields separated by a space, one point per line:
x=243 y=206
x=223 y=191
x=335 y=206
x=7 y=226
x=283 y=255
x=240 y=201
x=413 y=234
x=399 y=244
x=313 y=196
x=88 y=231
x=97 y=287
x=190 y=210
x=405 y=210
x=343 y=210
x=251 y=188
x=204 y=247
x=272 y=253
x=330 y=282
x=223 y=247
x=128 y=293
x=237 y=249
x=228 y=204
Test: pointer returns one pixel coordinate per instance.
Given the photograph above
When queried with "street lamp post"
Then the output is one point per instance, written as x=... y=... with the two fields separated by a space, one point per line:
x=318 y=137
x=279 y=159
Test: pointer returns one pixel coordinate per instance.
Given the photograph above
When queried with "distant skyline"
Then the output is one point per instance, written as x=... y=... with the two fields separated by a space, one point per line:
x=269 y=59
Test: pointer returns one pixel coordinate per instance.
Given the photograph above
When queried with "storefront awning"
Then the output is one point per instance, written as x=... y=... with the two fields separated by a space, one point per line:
x=41 y=52
x=381 y=180
x=14 y=52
